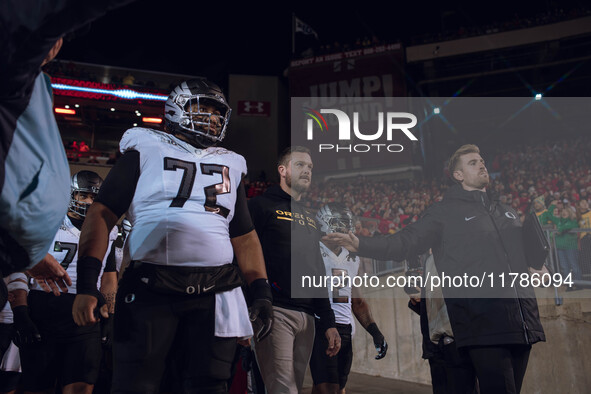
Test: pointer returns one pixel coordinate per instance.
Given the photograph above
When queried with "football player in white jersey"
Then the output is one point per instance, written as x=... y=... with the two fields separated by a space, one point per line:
x=10 y=365
x=330 y=373
x=180 y=297
x=52 y=347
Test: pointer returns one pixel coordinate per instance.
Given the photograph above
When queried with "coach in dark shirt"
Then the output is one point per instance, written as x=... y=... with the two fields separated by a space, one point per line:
x=288 y=234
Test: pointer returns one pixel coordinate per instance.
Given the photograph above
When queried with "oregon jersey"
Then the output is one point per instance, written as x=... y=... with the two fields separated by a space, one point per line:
x=343 y=265
x=183 y=202
x=65 y=250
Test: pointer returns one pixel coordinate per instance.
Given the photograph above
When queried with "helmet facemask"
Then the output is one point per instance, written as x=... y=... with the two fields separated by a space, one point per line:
x=79 y=207
x=335 y=220
x=201 y=118
x=83 y=182
x=340 y=224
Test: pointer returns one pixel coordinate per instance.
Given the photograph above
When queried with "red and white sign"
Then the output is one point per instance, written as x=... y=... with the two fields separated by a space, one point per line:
x=254 y=108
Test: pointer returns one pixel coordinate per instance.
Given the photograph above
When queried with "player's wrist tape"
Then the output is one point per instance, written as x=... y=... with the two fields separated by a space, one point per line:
x=88 y=270
x=260 y=289
x=17 y=281
x=375 y=332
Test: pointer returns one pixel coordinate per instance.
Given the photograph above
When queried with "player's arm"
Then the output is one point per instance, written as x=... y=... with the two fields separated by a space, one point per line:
x=109 y=282
x=25 y=331
x=114 y=199
x=108 y=291
x=414 y=239
x=249 y=255
x=245 y=240
x=362 y=312
x=327 y=325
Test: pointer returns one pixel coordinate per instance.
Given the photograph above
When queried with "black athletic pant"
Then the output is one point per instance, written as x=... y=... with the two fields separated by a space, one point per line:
x=155 y=332
x=500 y=369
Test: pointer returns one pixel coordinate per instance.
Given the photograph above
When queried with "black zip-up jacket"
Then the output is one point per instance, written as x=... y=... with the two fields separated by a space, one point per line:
x=288 y=234
x=471 y=235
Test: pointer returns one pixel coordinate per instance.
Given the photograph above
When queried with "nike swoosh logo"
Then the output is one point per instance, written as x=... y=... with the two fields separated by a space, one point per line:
x=470 y=218
x=208 y=288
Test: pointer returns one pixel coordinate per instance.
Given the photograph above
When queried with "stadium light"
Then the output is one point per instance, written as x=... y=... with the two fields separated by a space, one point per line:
x=127 y=94
x=152 y=120
x=65 y=111
x=538 y=96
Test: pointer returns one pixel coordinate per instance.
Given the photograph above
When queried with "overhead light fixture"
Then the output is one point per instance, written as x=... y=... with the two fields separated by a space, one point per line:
x=127 y=94
x=77 y=105
x=138 y=114
x=436 y=110
x=65 y=111
x=152 y=120
x=66 y=106
x=538 y=96
x=135 y=125
x=112 y=109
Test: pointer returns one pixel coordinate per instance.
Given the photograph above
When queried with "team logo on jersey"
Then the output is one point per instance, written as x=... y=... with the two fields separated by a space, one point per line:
x=296 y=217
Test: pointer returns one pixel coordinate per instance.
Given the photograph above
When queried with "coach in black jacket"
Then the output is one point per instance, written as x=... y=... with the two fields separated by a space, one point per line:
x=288 y=235
x=470 y=234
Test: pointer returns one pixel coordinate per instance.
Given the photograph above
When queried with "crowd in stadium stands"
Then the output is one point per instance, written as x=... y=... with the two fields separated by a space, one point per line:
x=557 y=172
x=516 y=22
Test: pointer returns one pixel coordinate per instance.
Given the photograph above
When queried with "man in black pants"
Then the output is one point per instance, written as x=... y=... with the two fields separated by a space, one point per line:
x=471 y=234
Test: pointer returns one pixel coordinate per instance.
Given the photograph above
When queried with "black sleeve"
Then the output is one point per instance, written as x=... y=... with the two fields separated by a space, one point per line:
x=257 y=215
x=118 y=189
x=414 y=239
x=111 y=265
x=241 y=222
x=324 y=311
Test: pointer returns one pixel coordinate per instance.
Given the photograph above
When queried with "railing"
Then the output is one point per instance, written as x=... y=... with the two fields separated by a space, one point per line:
x=577 y=260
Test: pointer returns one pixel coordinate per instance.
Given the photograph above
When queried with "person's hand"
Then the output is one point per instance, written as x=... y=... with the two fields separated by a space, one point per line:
x=50 y=275
x=83 y=310
x=107 y=330
x=26 y=334
x=348 y=241
x=415 y=300
x=413 y=277
x=381 y=348
x=334 y=342
x=378 y=340
x=261 y=310
x=261 y=318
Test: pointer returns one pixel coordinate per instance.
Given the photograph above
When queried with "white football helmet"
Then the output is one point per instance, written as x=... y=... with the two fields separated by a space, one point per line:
x=335 y=218
x=187 y=112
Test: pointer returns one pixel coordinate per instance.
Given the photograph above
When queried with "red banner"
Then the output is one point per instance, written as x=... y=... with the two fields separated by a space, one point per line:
x=367 y=72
